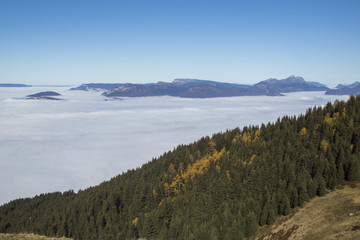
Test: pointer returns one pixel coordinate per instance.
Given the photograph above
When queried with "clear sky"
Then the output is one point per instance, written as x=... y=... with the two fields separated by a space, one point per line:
x=140 y=41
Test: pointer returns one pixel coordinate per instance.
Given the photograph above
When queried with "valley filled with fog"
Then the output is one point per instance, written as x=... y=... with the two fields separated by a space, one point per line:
x=86 y=138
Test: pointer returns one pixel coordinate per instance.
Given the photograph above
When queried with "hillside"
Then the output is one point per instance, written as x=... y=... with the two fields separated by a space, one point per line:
x=333 y=216
x=223 y=187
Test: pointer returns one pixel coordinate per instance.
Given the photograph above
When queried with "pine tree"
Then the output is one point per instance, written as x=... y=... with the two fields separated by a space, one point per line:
x=321 y=191
x=353 y=171
x=271 y=216
x=250 y=225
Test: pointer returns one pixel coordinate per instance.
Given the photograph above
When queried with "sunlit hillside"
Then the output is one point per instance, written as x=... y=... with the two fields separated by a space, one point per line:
x=333 y=216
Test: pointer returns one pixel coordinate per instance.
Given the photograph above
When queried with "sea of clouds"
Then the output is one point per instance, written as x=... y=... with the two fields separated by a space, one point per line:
x=48 y=146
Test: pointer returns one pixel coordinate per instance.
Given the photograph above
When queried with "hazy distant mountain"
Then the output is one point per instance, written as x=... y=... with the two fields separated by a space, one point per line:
x=352 y=89
x=293 y=84
x=317 y=84
x=47 y=95
x=339 y=86
x=100 y=86
x=95 y=86
x=13 y=85
x=188 y=88
x=195 y=88
x=196 y=82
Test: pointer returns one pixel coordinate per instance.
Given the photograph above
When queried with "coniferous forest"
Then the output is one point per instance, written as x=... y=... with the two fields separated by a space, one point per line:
x=220 y=187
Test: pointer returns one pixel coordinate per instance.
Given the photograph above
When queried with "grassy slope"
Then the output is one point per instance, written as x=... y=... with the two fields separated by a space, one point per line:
x=333 y=216
x=23 y=236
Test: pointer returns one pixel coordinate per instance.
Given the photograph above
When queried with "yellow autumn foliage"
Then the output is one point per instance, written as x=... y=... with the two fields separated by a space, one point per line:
x=328 y=120
x=324 y=145
x=228 y=175
x=252 y=158
x=197 y=168
x=154 y=193
x=246 y=137
x=303 y=131
x=250 y=162
x=135 y=221
x=331 y=120
x=257 y=135
x=212 y=146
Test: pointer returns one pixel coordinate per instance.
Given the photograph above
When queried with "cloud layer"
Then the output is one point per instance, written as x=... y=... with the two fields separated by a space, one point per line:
x=48 y=146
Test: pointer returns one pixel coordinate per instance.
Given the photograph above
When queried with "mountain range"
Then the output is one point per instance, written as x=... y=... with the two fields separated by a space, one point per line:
x=291 y=84
x=347 y=85
x=341 y=89
x=195 y=88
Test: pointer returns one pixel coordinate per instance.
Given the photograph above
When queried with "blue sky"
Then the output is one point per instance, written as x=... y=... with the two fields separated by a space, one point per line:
x=75 y=41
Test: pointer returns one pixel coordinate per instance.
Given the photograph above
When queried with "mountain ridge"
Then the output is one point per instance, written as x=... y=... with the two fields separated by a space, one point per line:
x=351 y=89
x=292 y=84
x=354 y=84
x=196 y=88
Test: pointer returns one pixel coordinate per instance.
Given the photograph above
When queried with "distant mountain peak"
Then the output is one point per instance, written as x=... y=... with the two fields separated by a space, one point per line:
x=354 y=84
x=295 y=78
x=293 y=84
x=341 y=89
x=290 y=79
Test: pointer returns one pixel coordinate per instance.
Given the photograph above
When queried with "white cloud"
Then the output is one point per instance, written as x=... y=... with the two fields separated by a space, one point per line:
x=48 y=146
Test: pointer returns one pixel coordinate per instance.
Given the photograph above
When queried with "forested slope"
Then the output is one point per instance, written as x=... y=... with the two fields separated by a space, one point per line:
x=221 y=187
